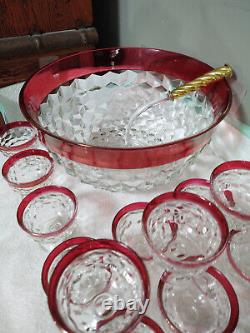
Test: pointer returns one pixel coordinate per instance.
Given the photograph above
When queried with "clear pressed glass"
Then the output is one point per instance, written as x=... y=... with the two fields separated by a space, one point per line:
x=28 y=170
x=127 y=228
x=206 y=303
x=197 y=186
x=56 y=255
x=187 y=234
x=17 y=136
x=82 y=110
x=237 y=250
x=230 y=187
x=90 y=274
x=147 y=325
x=48 y=215
x=185 y=231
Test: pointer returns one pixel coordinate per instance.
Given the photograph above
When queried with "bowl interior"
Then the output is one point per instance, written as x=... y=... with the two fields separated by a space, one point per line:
x=96 y=110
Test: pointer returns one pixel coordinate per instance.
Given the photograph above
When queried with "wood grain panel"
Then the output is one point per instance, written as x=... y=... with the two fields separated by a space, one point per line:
x=52 y=43
x=17 y=70
x=24 y=17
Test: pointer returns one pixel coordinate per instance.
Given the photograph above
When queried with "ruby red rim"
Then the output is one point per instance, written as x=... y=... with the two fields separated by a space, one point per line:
x=83 y=249
x=227 y=166
x=136 y=206
x=37 y=193
x=173 y=64
x=123 y=211
x=221 y=278
x=5 y=128
x=231 y=259
x=26 y=153
x=191 y=182
x=151 y=324
x=204 y=204
x=53 y=254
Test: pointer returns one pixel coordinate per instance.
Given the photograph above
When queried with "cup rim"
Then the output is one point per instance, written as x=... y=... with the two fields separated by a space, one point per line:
x=151 y=324
x=192 y=181
x=225 y=283
x=26 y=153
x=122 y=212
x=231 y=259
x=135 y=206
x=85 y=248
x=204 y=204
x=227 y=166
x=54 y=253
x=43 y=190
x=5 y=128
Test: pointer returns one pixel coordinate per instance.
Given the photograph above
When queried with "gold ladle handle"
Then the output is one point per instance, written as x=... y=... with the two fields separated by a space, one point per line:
x=215 y=75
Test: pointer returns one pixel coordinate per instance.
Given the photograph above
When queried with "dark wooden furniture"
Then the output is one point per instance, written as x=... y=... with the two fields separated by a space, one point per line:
x=35 y=32
x=2 y=122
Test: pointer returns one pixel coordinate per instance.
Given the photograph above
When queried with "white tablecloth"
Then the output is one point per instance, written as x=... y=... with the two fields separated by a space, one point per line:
x=23 y=305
